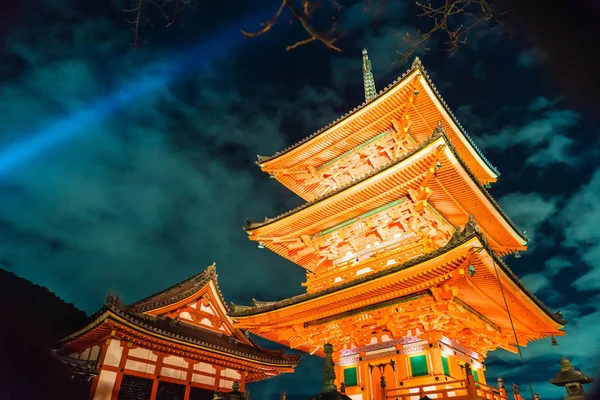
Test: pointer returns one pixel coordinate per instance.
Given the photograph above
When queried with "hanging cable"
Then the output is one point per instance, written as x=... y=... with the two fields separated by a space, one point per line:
x=514 y=331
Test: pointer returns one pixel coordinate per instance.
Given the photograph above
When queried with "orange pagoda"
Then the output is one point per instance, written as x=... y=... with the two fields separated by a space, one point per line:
x=402 y=247
x=176 y=344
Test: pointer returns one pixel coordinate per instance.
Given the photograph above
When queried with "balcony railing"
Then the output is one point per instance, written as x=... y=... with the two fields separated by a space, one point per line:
x=455 y=390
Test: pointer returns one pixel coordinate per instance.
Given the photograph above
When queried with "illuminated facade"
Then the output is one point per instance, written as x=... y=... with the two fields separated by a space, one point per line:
x=402 y=245
x=177 y=344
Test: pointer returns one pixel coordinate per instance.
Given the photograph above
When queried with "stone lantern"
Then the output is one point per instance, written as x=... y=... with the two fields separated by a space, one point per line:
x=572 y=379
x=330 y=392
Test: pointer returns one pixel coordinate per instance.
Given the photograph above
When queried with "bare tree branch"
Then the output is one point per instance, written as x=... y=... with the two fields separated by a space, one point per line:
x=302 y=15
x=452 y=19
x=449 y=18
x=169 y=10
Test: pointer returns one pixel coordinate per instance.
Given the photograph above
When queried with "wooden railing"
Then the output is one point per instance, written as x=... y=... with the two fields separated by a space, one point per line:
x=488 y=392
x=455 y=390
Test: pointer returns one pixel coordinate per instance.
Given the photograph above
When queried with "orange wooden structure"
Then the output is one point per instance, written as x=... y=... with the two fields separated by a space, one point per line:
x=402 y=244
x=176 y=344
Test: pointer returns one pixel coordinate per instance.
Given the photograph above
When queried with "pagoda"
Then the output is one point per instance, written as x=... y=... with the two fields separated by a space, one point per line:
x=402 y=246
x=176 y=344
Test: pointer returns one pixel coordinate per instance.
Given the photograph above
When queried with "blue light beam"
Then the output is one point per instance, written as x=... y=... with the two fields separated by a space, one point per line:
x=217 y=46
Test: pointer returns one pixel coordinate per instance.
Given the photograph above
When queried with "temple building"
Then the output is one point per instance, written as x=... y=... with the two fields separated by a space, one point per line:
x=402 y=246
x=178 y=344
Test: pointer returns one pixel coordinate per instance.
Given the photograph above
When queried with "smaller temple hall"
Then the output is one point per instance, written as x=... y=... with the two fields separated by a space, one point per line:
x=176 y=344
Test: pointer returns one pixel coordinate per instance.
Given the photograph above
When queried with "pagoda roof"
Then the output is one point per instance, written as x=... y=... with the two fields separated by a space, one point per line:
x=176 y=331
x=459 y=134
x=180 y=291
x=470 y=231
x=439 y=137
x=416 y=283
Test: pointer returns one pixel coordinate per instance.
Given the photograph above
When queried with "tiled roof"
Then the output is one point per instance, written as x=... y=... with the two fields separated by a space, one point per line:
x=438 y=132
x=416 y=65
x=192 y=334
x=470 y=231
x=253 y=225
x=178 y=291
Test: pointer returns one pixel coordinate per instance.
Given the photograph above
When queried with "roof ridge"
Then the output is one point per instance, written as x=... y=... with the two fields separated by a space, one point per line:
x=179 y=291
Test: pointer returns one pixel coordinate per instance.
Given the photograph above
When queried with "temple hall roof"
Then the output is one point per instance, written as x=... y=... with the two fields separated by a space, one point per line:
x=195 y=336
x=178 y=291
x=176 y=331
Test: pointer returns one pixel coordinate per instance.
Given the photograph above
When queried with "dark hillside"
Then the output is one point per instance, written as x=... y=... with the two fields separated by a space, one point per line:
x=33 y=320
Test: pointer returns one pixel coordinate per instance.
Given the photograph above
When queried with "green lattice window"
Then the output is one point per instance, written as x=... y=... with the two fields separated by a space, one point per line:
x=418 y=366
x=350 y=377
x=446 y=366
x=475 y=375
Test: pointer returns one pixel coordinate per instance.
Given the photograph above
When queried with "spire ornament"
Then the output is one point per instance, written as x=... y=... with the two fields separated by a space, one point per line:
x=369 y=80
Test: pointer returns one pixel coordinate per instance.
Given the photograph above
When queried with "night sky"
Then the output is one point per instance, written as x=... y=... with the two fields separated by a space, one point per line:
x=132 y=169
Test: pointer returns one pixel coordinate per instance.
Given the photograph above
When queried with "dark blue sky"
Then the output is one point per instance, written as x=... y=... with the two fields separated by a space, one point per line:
x=133 y=168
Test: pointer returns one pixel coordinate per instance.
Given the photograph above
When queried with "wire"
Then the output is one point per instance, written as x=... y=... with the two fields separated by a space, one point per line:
x=514 y=331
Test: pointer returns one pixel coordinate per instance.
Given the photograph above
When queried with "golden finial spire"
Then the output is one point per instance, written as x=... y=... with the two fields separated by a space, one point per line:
x=369 y=81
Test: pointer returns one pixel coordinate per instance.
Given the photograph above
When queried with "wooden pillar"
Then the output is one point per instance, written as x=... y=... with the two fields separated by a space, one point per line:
x=436 y=359
x=401 y=369
x=218 y=377
x=244 y=376
x=101 y=356
x=159 y=363
x=365 y=376
x=471 y=388
x=117 y=386
x=501 y=388
x=516 y=392
x=189 y=377
x=283 y=395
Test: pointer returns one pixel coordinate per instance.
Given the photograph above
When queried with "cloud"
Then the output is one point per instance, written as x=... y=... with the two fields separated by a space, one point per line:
x=154 y=192
x=580 y=219
x=530 y=211
x=541 y=103
x=532 y=57
x=556 y=264
x=536 y=282
x=546 y=137
x=379 y=33
x=479 y=71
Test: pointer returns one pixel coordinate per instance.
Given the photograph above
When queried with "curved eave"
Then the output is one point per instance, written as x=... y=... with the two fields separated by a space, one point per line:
x=180 y=292
x=425 y=149
x=508 y=224
x=471 y=232
x=267 y=162
x=109 y=314
x=462 y=134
